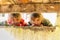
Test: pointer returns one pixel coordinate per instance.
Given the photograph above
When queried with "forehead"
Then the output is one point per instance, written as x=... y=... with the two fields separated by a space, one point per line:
x=35 y=18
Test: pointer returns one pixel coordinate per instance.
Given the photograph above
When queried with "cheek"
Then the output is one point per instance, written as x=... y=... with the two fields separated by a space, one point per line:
x=14 y=20
x=38 y=22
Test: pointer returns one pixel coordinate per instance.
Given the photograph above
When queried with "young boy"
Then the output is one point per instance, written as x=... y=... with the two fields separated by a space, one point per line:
x=38 y=20
x=16 y=20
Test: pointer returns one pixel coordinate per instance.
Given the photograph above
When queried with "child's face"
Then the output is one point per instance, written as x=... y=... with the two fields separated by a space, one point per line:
x=15 y=20
x=36 y=21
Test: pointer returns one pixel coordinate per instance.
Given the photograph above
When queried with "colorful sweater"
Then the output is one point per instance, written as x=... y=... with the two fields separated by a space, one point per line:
x=21 y=23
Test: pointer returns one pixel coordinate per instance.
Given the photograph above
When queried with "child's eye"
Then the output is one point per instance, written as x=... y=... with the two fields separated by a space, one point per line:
x=38 y=20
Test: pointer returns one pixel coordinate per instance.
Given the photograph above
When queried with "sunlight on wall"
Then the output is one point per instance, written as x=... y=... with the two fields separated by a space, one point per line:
x=26 y=17
x=51 y=17
x=3 y=18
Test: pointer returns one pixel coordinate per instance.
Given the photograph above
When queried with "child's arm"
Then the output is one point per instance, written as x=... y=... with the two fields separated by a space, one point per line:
x=46 y=22
x=29 y=24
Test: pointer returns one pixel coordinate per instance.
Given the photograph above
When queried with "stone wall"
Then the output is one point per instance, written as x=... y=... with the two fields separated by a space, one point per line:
x=30 y=7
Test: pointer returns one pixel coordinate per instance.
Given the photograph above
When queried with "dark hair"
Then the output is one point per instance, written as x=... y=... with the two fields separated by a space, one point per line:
x=15 y=15
x=35 y=15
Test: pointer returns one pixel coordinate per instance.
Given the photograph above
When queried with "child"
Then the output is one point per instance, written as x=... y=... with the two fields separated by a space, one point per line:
x=38 y=20
x=16 y=20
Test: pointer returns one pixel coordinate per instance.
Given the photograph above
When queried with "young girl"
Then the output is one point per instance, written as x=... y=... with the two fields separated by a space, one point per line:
x=16 y=20
x=38 y=20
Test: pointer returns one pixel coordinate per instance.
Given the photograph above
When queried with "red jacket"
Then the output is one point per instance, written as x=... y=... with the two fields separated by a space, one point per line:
x=21 y=23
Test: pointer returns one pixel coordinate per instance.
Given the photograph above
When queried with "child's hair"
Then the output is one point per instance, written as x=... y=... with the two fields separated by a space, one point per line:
x=16 y=15
x=36 y=15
